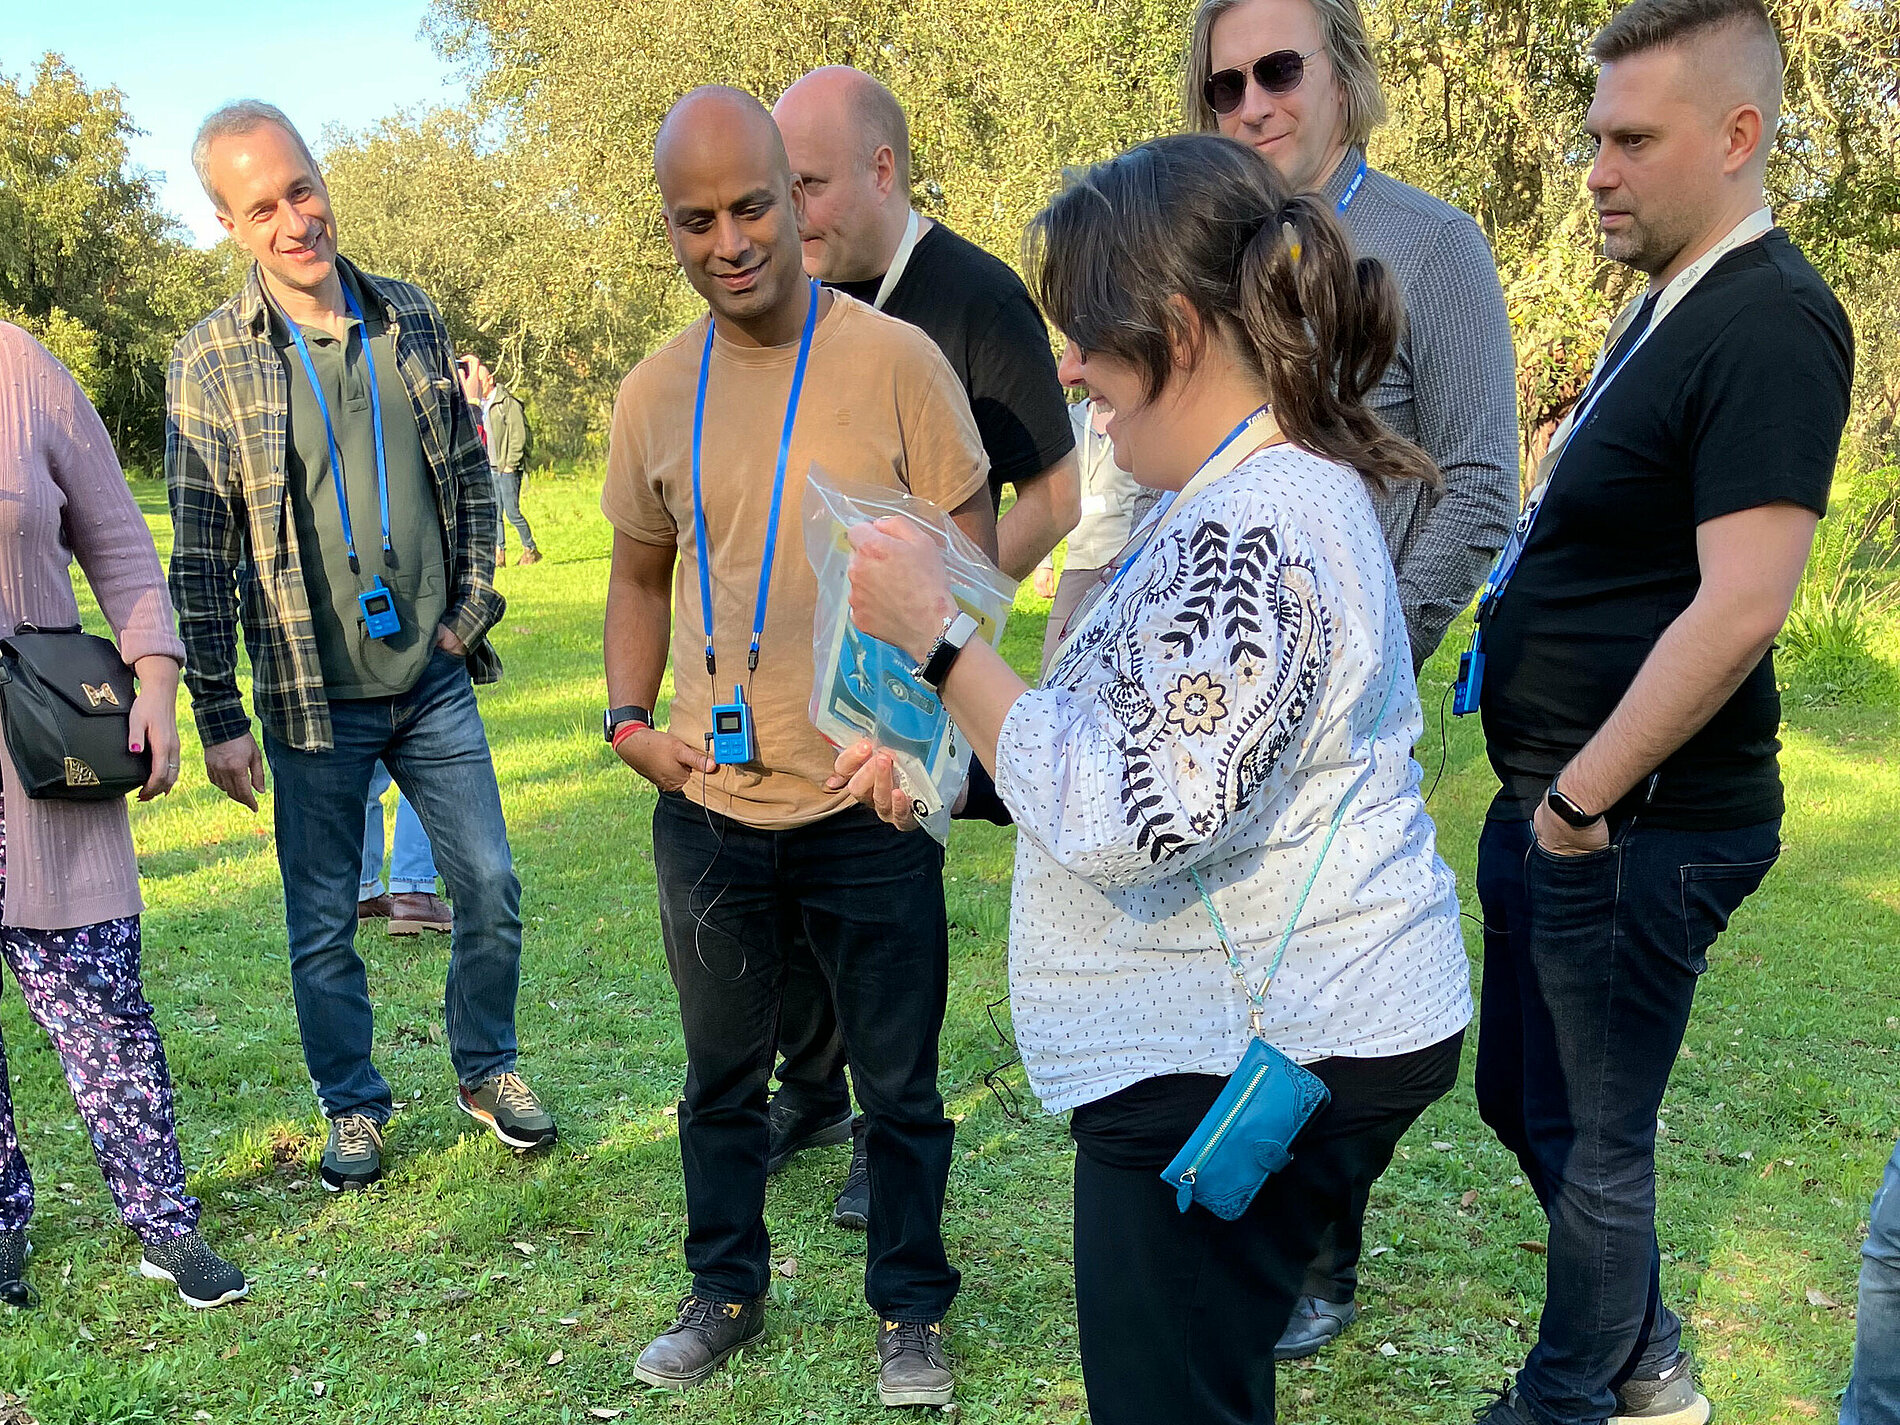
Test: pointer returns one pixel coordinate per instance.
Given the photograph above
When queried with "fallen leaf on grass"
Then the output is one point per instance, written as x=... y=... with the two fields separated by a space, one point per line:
x=525 y=1248
x=1535 y=1248
x=788 y=1267
x=1386 y=1348
x=1822 y=1300
x=557 y=1358
x=1469 y=1199
x=1439 y=1145
x=603 y=1412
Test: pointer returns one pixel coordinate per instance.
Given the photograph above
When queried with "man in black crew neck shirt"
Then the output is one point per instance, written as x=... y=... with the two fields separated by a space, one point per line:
x=1629 y=696
x=849 y=143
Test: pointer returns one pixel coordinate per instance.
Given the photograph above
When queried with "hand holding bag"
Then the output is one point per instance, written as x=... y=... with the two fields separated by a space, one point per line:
x=1247 y=1136
x=66 y=704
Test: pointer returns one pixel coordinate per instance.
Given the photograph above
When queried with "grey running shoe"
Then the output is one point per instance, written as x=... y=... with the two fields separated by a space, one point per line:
x=511 y=1111
x=1668 y=1399
x=1314 y=1324
x=790 y=1130
x=702 y=1336
x=203 y=1278
x=853 y=1207
x=910 y=1366
x=353 y=1155
x=14 y=1250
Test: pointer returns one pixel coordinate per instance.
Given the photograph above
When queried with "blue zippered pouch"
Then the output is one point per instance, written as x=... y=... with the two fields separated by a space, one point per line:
x=1248 y=1134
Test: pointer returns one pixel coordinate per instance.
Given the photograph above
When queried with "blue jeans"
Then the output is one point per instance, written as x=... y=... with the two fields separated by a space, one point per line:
x=1873 y=1395
x=508 y=491
x=411 y=860
x=433 y=743
x=869 y=901
x=1590 y=967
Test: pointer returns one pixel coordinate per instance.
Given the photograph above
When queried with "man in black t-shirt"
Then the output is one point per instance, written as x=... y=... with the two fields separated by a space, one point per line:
x=849 y=142
x=1628 y=690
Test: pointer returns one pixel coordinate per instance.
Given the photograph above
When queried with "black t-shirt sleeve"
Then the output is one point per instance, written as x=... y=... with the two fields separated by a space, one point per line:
x=1766 y=407
x=1020 y=410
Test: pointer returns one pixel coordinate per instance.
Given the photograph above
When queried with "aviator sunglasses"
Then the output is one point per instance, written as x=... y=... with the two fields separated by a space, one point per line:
x=1277 y=73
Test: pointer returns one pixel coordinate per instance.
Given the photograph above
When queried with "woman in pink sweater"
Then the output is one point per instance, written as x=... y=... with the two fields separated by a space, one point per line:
x=69 y=892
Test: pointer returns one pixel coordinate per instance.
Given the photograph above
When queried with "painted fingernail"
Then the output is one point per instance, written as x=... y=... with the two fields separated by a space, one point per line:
x=136 y=747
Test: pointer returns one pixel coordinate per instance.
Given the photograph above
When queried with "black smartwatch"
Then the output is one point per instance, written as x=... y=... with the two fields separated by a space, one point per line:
x=935 y=665
x=616 y=718
x=1568 y=811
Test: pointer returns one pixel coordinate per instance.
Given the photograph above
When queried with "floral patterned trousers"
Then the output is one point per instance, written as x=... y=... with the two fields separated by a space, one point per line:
x=82 y=987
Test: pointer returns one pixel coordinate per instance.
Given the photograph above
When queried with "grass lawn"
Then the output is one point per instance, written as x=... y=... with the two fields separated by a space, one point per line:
x=475 y=1286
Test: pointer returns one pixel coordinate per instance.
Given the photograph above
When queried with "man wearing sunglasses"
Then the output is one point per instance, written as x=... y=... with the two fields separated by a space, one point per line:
x=1297 y=81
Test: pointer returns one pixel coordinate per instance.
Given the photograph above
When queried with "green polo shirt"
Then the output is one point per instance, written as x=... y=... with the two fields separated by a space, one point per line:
x=415 y=567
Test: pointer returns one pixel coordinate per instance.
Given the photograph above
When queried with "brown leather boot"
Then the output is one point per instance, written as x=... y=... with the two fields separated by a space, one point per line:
x=413 y=912
x=699 y=1340
x=375 y=908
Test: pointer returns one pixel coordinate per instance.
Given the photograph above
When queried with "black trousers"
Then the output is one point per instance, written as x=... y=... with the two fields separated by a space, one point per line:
x=1179 y=1311
x=733 y=899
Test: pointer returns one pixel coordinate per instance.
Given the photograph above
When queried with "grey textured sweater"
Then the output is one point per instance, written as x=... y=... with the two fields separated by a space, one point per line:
x=1452 y=388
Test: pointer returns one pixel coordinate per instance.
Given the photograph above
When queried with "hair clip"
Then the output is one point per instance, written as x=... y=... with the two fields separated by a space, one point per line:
x=1292 y=236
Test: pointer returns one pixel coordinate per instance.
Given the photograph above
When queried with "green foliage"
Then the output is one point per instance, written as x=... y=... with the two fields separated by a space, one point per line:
x=1832 y=645
x=89 y=263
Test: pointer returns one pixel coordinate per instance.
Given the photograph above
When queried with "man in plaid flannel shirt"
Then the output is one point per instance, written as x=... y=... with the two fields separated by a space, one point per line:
x=311 y=413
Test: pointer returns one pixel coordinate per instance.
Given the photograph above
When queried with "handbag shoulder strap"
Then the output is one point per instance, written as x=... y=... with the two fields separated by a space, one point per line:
x=1257 y=998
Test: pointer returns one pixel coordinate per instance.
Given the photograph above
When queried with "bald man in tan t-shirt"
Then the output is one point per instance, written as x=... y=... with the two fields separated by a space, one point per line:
x=748 y=858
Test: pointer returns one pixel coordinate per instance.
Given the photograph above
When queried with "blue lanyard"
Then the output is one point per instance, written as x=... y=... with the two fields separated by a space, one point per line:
x=1352 y=188
x=1161 y=511
x=329 y=430
x=778 y=490
x=1513 y=552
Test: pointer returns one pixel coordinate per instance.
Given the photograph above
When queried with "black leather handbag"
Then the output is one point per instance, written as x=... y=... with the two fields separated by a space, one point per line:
x=66 y=704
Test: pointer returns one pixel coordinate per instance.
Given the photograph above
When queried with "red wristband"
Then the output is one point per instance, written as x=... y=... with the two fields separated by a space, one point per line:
x=627 y=730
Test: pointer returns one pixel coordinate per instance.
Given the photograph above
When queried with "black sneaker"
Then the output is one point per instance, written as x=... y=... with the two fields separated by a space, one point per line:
x=853 y=1207
x=1668 y=1399
x=790 y=1130
x=1505 y=1410
x=702 y=1335
x=14 y=1250
x=911 y=1369
x=203 y=1278
x=353 y=1156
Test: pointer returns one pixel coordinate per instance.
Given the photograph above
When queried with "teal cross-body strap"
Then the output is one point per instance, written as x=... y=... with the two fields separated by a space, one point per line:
x=1257 y=999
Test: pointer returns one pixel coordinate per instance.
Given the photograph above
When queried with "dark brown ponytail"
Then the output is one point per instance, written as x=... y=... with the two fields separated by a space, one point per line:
x=1203 y=218
x=1323 y=326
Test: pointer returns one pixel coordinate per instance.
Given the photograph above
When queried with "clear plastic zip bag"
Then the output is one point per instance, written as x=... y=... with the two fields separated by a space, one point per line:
x=862 y=687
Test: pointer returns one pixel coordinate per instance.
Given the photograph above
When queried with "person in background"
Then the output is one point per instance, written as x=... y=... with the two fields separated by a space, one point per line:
x=755 y=856
x=1627 y=684
x=69 y=881
x=1113 y=504
x=505 y=433
x=1873 y=1395
x=1297 y=81
x=1230 y=720
x=410 y=904
x=849 y=143
x=318 y=392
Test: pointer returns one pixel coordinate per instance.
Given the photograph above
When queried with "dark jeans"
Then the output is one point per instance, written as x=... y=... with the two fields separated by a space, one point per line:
x=432 y=741
x=869 y=899
x=508 y=491
x=1590 y=966
x=1179 y=1311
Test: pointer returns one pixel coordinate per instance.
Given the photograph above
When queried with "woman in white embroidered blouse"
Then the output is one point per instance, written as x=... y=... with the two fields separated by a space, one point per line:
x=1244 y=677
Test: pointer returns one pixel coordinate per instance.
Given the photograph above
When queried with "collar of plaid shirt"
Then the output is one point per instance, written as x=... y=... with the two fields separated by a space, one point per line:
x=229 y=399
